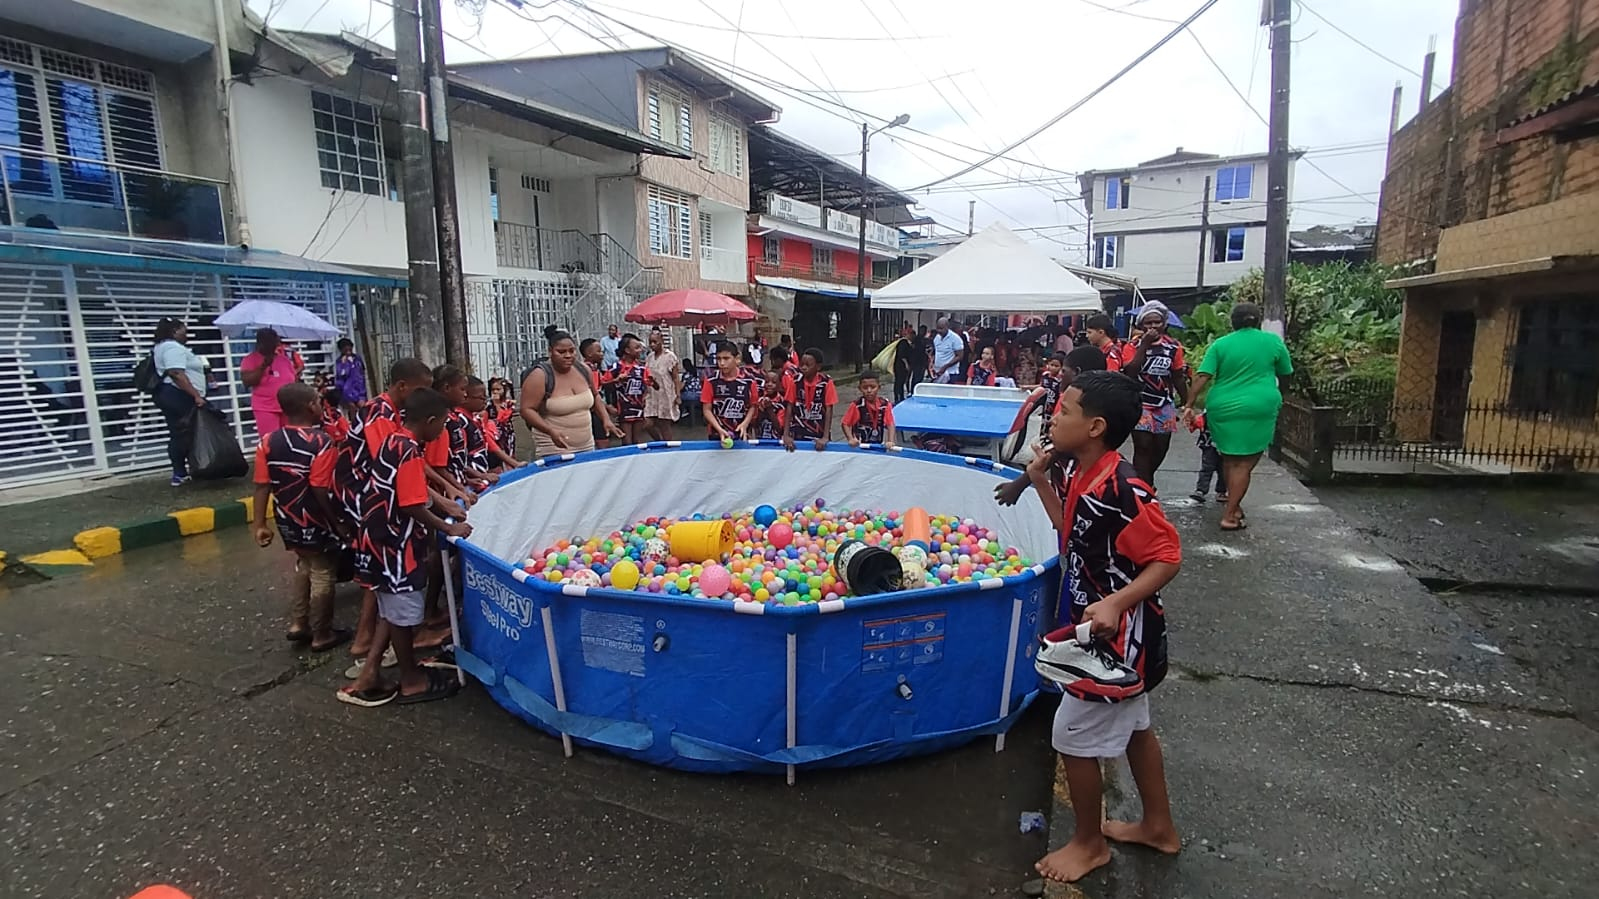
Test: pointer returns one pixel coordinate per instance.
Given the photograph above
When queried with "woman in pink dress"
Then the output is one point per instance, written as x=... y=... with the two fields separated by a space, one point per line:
x=271 y=366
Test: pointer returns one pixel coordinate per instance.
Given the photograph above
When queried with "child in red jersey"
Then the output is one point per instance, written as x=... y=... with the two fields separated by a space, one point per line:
x=771 y=411
x=869 y=419
x=811 y=398
x=487 y=447
x=397 y=528
x=294 y=467
x=631 y=380
x=458 y=427
x=730 y=398
x=983 y=371
x=1119 y=551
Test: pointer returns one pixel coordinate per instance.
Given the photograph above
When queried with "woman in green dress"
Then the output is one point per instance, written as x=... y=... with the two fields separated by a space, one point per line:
x=1238 y=391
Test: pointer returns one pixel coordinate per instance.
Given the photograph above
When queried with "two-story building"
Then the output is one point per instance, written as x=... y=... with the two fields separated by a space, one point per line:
x=1182 y=225
x=545 y=237
x=683 y=212
x=804 y=245
x=1491 y=203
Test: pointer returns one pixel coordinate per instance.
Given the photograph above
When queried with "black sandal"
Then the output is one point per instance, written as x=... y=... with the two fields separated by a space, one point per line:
x=371 y=697
x=341 y=636
x=297 y=636
x=440 y=686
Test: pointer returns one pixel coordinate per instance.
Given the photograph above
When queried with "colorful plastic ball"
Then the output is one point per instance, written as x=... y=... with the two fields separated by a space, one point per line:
x=715 y=580
x=727 y=443
x=654 y=548
x=765 y=515
x=624 y=575
x=780 y=535
x=584 y=577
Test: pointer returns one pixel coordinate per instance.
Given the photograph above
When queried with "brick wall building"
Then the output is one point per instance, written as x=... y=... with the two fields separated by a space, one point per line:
x=1492 y=197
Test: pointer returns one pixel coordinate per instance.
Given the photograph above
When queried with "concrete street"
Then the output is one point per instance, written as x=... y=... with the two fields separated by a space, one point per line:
x=1331 y=728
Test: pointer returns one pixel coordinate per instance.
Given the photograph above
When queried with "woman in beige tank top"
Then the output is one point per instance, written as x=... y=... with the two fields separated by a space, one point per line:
x=559 y=415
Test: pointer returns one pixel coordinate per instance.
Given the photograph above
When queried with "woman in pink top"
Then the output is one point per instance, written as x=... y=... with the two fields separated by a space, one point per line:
x=264 y=371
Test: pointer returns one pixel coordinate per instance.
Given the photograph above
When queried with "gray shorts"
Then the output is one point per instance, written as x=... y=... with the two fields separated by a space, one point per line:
x=1098 y=730
x=401 y=609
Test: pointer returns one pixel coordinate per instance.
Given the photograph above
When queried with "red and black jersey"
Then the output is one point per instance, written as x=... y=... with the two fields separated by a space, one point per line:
x=631 y=381
x=392 y=547
x=456 y=424
x=334 y=422
x=771 y=414
x=869 y=421
x=808 y=401
x=505 y=426
x=977 y=374
x=1161 y=361
x=379 y=419
x=1115 y=352
x=477 y=442
x=730 y=399
x=1052 y=391
x=1115 y=528
x=295 y=460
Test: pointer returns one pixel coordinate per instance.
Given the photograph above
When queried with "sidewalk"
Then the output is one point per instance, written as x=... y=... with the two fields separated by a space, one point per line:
x=1331 y=728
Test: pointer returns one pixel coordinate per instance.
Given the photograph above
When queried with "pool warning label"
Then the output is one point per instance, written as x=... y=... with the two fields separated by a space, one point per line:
x=889 y=643
x=612 y=642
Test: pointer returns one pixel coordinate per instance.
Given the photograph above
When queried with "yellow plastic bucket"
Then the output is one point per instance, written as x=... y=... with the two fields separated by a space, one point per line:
x=701 y=541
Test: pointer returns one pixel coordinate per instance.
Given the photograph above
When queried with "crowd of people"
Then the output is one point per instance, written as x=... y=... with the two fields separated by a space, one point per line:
x=368 y=484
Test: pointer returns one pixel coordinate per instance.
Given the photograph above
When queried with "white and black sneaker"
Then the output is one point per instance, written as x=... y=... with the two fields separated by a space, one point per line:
x=1087 y=665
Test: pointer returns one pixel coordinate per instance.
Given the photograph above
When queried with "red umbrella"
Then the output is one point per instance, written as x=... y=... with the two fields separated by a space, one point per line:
x=690 y=308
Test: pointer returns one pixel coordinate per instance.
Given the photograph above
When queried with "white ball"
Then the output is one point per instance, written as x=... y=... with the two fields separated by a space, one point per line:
x=655 y=548
x=911 y=555
x=584 y=577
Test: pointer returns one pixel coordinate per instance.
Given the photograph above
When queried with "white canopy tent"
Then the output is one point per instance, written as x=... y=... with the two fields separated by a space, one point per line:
x=994 y=272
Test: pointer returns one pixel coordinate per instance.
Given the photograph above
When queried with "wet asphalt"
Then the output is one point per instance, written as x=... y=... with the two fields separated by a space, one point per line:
x=1332 y=728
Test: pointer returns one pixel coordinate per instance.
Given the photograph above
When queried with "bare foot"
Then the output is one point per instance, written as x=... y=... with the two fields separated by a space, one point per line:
x=430 y=639
x=1073 y=861
x=1161 y=840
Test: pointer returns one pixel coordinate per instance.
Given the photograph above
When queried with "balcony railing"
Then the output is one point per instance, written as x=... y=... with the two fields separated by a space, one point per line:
x=74 y=193
x=806 y=273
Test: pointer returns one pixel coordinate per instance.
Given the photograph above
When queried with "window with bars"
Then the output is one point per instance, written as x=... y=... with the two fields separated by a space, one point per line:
x=349 y=145
x=1554 y=370
x=669 y=118
x=87 y=112
x=727 y=146
x=822 y=260
x=669 y=223
x=772 y=251
x=707 y=245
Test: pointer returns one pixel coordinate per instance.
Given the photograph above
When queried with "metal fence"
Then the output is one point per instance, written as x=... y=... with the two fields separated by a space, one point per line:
x=70 y=337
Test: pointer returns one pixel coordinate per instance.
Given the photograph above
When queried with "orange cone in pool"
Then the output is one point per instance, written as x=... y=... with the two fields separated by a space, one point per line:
x=916 y=529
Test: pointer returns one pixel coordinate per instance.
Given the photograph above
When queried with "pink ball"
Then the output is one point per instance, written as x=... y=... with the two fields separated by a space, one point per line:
x=780 y=535
x=714 y=580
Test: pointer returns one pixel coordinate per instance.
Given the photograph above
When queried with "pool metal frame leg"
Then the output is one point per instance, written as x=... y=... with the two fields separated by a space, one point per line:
x=1010 y=669
x=555 y=675
x=455 y=619
x=793 y=730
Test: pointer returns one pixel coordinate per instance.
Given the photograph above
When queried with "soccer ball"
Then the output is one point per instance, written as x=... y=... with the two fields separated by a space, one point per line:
x=584 y=577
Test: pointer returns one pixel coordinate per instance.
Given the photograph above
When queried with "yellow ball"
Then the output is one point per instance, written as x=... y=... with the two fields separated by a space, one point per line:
x=762 y=595
x=624 y=575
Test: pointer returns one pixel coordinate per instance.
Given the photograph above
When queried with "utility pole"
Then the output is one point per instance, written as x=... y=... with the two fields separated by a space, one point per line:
x=1204 y=232
x=971 y=216
x=860 y=260
x=452 y=287
x=1276 y=270
x=422 y=248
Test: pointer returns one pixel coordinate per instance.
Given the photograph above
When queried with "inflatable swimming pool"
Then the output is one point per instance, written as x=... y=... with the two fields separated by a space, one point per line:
x=721 y=685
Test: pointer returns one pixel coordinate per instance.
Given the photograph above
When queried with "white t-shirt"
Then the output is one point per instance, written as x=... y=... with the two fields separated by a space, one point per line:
x=170 y=354
x=946 y=349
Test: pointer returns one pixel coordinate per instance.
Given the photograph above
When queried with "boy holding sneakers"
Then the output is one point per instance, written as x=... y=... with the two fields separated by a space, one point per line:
x=391 y=554
x=1119 y=550
x=294 y=466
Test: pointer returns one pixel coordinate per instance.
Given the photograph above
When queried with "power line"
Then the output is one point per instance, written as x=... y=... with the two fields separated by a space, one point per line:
x=1091 y=94
x=749 y=33
x=1367 y=47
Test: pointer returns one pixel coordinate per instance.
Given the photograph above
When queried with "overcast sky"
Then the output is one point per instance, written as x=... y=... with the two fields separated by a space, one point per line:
x=975 y=76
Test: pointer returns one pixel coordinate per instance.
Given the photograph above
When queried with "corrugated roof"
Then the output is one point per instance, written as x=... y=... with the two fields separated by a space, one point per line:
x=1590 y=89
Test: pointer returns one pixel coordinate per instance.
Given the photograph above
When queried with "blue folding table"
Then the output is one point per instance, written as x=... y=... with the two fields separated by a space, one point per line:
x=992 y=421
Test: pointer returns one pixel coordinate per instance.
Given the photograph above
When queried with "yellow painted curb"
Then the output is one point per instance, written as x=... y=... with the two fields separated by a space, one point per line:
x=249 y=507
x=2 y=561
x=199 y=520
x=97 y=543
x=57 y=557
